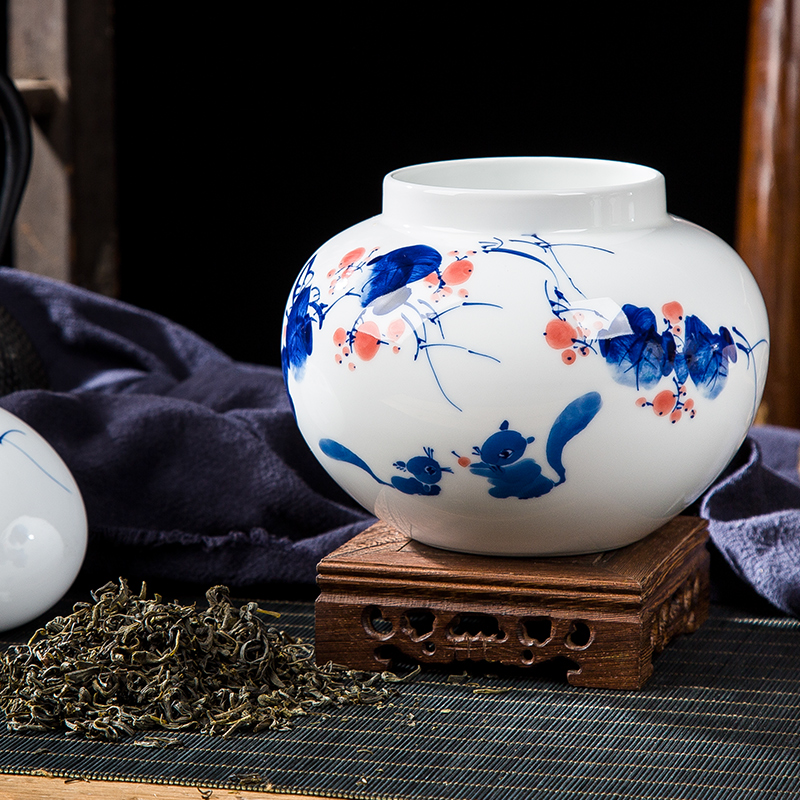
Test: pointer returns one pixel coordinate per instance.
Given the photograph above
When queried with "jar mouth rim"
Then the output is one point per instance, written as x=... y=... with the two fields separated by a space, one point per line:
x=525 y=174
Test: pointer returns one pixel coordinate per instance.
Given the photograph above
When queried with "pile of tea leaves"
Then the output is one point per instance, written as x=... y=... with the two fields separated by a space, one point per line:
x=126 y=663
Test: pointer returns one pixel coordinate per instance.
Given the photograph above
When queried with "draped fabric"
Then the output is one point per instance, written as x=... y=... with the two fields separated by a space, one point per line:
x=192 y=468
x=190 y=464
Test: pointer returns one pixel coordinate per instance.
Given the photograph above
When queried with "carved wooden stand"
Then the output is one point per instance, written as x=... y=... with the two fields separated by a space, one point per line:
x=384 y=595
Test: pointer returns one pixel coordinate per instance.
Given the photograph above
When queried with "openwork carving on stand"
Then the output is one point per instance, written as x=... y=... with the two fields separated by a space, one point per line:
x=676 y=615
x=438 y=636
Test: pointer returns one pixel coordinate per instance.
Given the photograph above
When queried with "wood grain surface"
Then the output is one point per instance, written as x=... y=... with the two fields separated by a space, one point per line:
x=30 y=787
x=768 y=234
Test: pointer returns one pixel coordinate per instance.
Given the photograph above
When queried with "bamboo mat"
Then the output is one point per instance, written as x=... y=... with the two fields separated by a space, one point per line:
x=720 y=718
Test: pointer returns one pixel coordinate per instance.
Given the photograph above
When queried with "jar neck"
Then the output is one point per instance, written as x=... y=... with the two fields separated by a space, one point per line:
x=525 y=195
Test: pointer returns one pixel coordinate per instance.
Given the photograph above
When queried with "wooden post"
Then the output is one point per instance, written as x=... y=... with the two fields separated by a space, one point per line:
x=60 y=55
x=768 y=235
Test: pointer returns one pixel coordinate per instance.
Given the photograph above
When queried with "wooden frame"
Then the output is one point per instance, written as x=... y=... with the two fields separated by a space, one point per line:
x=768 y=235
x=60 y=55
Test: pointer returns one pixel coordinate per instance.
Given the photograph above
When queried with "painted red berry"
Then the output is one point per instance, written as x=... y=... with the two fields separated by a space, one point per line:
x=458 y=272
x=673 y=312
x=366 y=341
x=560 y=334
x=351 y=257
x=663 y=403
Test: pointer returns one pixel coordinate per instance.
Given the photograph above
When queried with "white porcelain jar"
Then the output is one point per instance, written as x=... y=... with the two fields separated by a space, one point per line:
x=525 y=356
x=43 y=528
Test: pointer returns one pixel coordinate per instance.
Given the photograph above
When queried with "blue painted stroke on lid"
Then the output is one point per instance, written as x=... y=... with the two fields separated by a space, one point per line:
x=4 y=439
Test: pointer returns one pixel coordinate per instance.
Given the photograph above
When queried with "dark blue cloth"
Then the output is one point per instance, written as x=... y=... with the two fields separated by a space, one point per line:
x=754 y=516
x=192 y=468
x=190 y=464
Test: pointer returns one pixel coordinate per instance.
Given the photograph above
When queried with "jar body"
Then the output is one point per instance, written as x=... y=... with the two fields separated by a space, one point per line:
x=525 y=374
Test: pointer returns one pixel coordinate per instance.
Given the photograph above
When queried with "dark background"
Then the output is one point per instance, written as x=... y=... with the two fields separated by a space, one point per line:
x=246 y=138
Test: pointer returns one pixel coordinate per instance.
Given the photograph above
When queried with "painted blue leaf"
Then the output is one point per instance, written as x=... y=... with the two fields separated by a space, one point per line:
x=670 y=352
x=387 y=303
x=681 y=368
x=299 y=333
x=707 y=356
x=398 y=268
x=640 y=358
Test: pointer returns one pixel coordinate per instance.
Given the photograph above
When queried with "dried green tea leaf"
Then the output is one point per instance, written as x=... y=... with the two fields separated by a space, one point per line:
x=127 y=663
